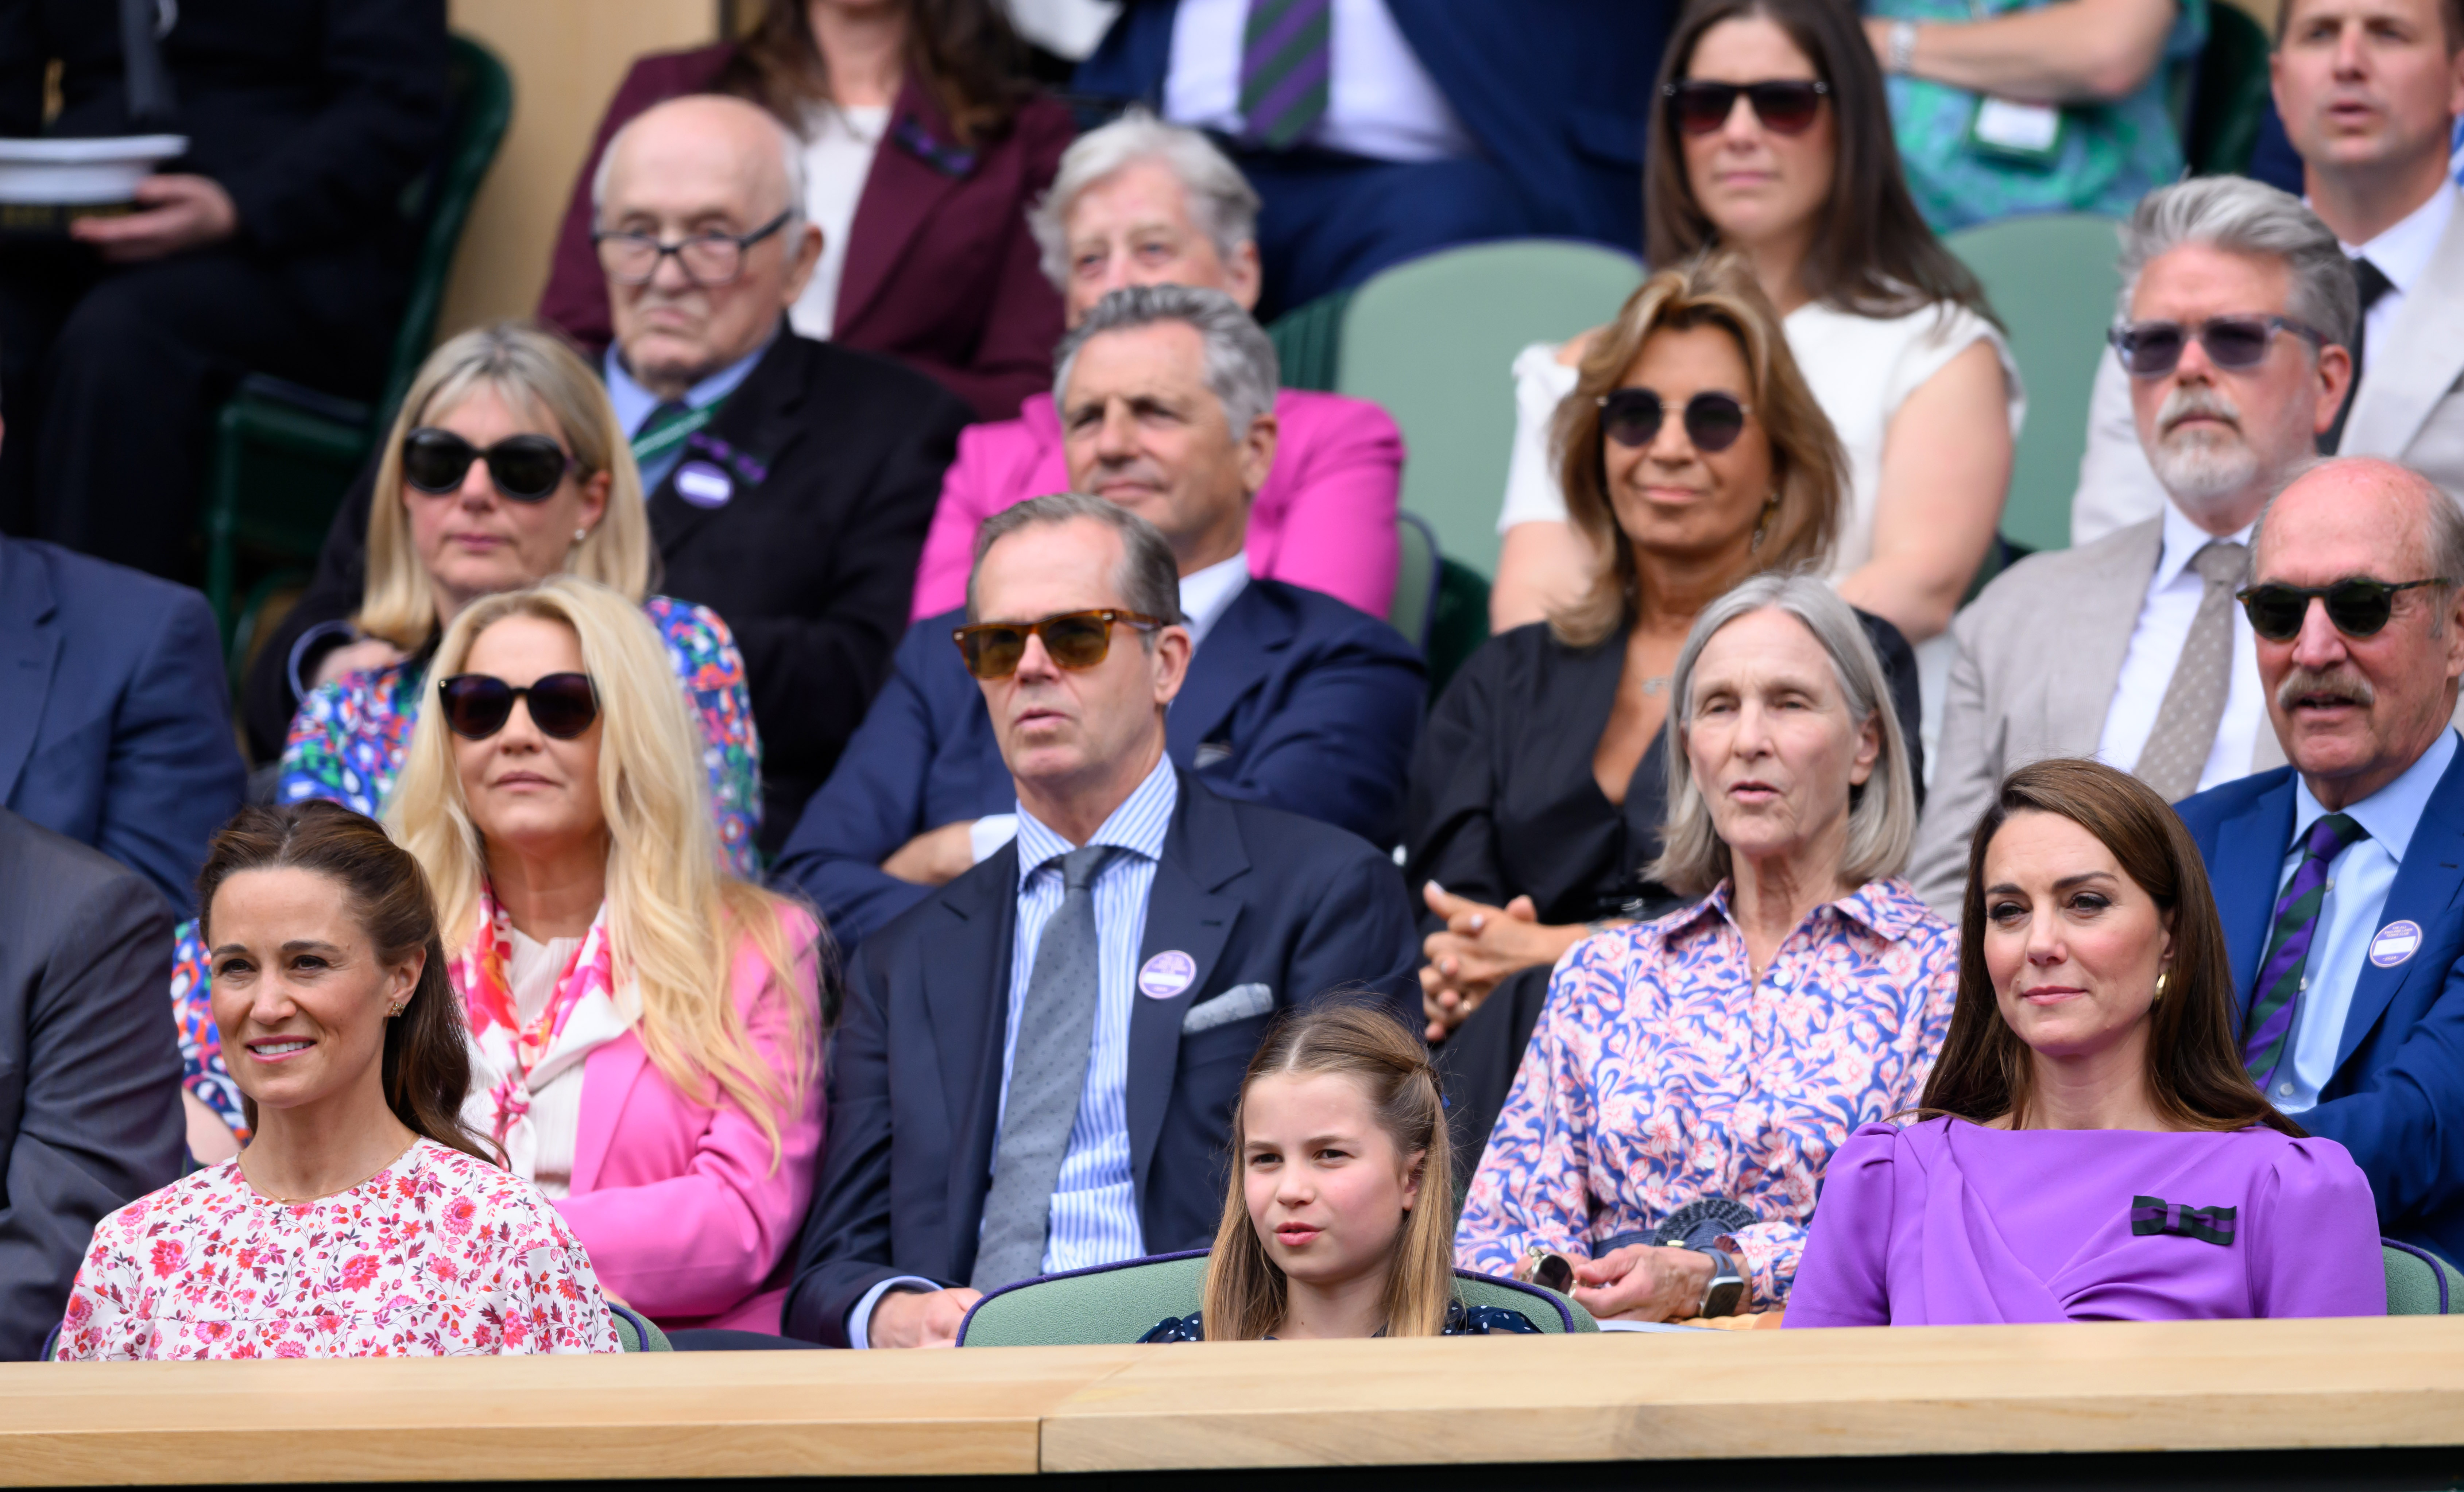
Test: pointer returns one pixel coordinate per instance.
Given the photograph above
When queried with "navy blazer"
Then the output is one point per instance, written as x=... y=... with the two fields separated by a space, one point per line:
x=115 y=720
x=1251 y=894
x=1295 y=700
x=1556 y=91
x=2396 y=1100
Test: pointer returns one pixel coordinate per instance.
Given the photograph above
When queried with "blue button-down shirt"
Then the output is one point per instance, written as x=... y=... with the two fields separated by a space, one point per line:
x=2358 y=881
x=635 y=403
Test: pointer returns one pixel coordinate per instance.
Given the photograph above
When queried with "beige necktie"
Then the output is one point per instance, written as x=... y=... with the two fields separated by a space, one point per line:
x=2194 y=701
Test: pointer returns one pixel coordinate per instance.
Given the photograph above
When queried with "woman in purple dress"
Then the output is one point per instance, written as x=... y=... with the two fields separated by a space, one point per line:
x=2090 y=1147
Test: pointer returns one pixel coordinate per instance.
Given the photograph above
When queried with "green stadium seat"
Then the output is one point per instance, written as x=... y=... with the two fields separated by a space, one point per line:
x=2419 y=1282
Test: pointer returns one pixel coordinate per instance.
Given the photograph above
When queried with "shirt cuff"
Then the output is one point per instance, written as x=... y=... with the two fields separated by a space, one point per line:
x=860 y=1318
x=989 y=833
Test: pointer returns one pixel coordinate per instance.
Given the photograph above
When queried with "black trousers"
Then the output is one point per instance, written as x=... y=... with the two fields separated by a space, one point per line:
x=111 y=375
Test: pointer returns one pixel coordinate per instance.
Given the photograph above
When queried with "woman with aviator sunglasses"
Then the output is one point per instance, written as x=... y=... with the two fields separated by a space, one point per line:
x=1773 y=139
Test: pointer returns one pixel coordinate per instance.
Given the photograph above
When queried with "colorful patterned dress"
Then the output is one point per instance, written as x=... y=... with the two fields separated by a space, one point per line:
x=438 y=1255
x=1662 y=1072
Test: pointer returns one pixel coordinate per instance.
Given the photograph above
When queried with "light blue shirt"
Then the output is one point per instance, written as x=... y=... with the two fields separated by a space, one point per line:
x=2348 y=918
x=635 y=403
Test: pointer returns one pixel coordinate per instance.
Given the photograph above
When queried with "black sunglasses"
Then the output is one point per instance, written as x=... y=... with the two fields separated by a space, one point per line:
x=2151 y=349
x=1631 y=417
x=1075 y=640
x=477 y=705
x=2358 y=607
x=1786 y=106
x=525 y=468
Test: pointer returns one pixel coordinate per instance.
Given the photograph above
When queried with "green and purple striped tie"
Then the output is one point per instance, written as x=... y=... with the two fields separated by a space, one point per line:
x=2267 y=1037
x=1286 y=60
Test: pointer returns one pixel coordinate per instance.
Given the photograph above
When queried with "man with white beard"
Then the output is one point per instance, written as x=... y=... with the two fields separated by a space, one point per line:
x=2237 y=307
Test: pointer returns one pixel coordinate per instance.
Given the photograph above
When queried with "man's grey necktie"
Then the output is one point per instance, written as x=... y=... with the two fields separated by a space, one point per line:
x=1056 y=1031
x=2194 y=702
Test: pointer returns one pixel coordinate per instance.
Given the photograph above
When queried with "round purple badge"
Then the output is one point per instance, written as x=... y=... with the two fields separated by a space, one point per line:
x=1166 y=975
x=704 y=485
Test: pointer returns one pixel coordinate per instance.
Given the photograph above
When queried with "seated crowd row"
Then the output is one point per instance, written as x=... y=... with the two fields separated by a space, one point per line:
x=1691 y=792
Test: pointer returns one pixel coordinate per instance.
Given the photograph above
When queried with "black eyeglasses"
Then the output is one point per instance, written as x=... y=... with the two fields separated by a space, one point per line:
x=1075 y=640
x=477 y=705
x=710 y=259
x=2357 y=608
x=1785 y=106
x=1631 y=417
x=2152 y=349
x=525 y=468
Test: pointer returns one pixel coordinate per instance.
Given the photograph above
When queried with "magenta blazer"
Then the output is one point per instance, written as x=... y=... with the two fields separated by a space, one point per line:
x=678 y=1202
x=1325 y=520
x=941 y=271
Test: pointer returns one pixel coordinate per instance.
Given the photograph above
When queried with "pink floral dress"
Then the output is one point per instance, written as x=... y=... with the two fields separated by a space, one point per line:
x=438 y=1255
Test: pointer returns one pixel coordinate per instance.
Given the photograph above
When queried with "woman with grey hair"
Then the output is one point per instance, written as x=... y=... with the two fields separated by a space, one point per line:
x=1691 y=1075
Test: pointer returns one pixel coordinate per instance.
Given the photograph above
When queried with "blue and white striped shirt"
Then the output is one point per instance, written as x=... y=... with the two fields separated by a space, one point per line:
x=1094 y=1204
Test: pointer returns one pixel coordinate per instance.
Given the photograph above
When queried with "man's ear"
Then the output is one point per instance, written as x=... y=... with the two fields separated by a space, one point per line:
x=800 y=270
x=1172 y=651
x=2334 y=375
x=1242 y=277
x=1258 y=452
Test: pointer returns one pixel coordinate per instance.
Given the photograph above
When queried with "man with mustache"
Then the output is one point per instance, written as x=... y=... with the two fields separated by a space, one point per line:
x=2338 y=877
x=2369 y=91
x=2237 y=307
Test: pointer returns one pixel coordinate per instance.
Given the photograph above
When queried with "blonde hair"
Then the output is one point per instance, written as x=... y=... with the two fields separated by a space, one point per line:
x=1809 y=469
x=532 y=369
x=672 y=903
x=1881 y=814
x=1246 y=1294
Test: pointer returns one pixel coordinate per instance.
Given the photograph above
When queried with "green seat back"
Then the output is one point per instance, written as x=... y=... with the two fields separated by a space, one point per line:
x=2230 y=97
x=1433 y=341
x=638 y=1333
x=1307 y=341
x=1415 y=579
x=2419 y=1282
x=2054 y=281
x=1461 y=625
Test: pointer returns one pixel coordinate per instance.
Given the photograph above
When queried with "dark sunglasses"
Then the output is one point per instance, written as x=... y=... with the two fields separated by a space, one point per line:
x=477 y=705
x=2358 y=608
x=1631 y=417
x=2151 y=349
x=1075 y=640
x=1786 y=106
x=525 y=468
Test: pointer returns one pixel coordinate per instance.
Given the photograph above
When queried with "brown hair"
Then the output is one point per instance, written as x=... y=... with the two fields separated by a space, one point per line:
x=2450 y=24
x=1873 y=254
x=965 y=53
x=2195 y=1077
x=1245 y=1296
x=426 y=1066
x=1808 y=465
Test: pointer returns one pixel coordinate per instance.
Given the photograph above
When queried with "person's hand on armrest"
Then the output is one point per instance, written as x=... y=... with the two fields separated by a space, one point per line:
x=936 y=857
x=173 y=213
x=1481 y=946
x=920 y=1318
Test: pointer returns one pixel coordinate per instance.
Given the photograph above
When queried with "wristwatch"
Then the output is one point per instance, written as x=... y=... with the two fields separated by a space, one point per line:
x=1726 y=1294
x=1899 y=52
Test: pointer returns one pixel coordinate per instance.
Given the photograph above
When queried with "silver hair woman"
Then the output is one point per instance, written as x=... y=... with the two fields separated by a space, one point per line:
x=1691 y=1075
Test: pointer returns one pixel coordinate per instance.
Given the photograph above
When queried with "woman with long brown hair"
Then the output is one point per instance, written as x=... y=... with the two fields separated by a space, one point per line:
x=1773 y=139
x=2089 y=1146
x=363 y=1218
x=924 y=145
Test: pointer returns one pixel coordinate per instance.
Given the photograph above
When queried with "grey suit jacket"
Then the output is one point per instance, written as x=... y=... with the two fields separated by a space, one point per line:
x=2409 y=408
x=2039 y=654
x=90 y=1115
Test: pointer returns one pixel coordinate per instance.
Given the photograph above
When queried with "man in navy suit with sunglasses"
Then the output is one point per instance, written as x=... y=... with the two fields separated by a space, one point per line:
x=2341 y=876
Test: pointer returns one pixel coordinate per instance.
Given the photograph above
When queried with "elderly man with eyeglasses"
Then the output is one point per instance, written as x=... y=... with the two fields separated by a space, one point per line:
x=2237 y=310
x=789 y=481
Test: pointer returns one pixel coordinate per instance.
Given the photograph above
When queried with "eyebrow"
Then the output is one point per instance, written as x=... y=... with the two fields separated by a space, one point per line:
x=298 y=945
x=2066 y=882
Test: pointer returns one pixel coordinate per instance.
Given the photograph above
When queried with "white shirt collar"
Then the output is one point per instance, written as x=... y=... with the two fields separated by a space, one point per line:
x=2404 y=251
x=1205 y=595
x=2184 y=538
x=635 y=403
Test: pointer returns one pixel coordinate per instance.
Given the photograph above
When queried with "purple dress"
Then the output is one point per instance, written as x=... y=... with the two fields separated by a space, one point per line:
x=1949 y=1223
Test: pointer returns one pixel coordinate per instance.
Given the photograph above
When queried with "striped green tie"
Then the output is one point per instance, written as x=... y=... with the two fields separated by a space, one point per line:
x=2267 y=1035
x=1285 y=59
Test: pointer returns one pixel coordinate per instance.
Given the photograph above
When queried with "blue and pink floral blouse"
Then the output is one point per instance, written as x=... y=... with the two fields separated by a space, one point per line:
x=1662 y=1072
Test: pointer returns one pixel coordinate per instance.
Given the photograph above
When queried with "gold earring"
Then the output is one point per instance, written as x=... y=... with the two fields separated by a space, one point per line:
x=1762 y=524
x=2160 y=986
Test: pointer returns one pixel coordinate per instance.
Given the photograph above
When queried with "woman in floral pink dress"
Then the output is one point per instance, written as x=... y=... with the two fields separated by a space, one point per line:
x=363 y=1220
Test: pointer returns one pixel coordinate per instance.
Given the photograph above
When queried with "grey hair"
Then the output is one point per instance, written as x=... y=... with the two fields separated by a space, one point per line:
x=1881 y=814
x=1242 y=369
x=2445 y=541
x=791 y=162
x=1150 y=575
x=2243 y=216
x=1223 y=205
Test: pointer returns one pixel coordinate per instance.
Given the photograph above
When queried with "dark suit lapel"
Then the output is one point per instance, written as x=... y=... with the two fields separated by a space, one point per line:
x=2249 y=860
x=1237 y=656
x=966 y=998
x=915 y=165
x=30 y=649
x=2426 y=887
x=1186 y=914
x=753 y=429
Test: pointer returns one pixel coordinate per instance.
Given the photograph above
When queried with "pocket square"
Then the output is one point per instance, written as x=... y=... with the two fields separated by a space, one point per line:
x=1240 y=1002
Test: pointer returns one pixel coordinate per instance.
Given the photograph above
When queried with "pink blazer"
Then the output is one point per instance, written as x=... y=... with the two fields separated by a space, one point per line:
x=1326 y=519
x=678 y=1202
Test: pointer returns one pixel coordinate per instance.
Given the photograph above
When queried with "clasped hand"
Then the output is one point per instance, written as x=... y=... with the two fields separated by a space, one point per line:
x=174 y=212
x=920 y=1318
x=1481 y=945
x=1643 y=1283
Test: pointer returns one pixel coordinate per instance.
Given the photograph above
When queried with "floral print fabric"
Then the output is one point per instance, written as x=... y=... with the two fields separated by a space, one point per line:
x=438 y=1255
x=1662 y=1072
